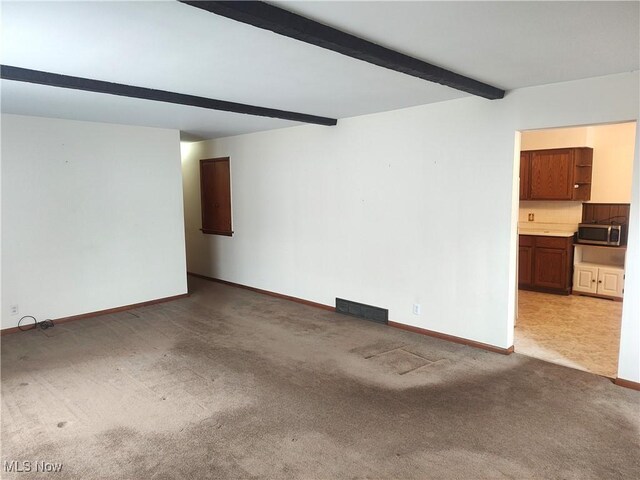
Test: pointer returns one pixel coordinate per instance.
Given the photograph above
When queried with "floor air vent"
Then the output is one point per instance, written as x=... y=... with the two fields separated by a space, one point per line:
x=355 y=309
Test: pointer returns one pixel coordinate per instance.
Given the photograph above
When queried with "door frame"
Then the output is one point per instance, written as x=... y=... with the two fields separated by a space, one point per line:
x=513 y=270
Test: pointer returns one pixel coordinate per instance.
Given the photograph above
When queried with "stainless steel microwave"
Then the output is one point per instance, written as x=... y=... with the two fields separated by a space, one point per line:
x=603 y=234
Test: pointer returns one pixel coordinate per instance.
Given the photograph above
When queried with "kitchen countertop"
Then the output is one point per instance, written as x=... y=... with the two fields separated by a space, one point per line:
x=546 y=229
x=546 y=232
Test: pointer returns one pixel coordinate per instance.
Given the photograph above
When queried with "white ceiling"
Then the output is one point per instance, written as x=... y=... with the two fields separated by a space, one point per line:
x=171 y=46
x=509 y=44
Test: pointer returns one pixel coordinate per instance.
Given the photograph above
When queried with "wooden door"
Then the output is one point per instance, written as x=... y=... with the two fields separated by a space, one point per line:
x=215 y=189
x=551 y=175
x=550 y=268
x=585 y=279
x=525 y=178
x=525 y=264
x=610 y=281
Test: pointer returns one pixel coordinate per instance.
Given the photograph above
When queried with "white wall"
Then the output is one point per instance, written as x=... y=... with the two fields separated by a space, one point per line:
x=412 y=206
x=375 y=211
x=559 y=213
x=557 y=138
x=613 y=148
x=92 y=216
x=629 y=361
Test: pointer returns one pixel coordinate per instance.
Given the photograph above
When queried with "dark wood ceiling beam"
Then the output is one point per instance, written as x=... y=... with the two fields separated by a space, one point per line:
x=283 y=22
x=18 y=74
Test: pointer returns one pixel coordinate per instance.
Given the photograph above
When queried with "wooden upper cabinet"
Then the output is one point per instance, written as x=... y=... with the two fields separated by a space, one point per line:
x=215 y=195
x=551 y=175
x=525 y=169
x=556 y=174
x=582 y=173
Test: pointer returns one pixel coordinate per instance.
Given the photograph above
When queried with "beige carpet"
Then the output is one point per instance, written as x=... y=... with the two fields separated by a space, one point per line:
x=232 y=384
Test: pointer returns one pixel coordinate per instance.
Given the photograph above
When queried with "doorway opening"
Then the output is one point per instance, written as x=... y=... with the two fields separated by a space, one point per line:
x=571 y=289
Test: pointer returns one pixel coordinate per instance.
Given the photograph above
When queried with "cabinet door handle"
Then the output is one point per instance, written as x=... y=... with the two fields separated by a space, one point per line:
x=599 y=281
x=593 y=281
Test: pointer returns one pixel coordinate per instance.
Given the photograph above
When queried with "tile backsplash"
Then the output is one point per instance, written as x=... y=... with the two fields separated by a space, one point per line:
x=562 y=214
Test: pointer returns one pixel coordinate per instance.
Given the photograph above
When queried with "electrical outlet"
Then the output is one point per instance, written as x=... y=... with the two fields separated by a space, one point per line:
x=13 y=309
x=531 y=217
x=417 y=309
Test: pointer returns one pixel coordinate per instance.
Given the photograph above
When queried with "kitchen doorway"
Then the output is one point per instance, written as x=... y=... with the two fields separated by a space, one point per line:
x=571 y=286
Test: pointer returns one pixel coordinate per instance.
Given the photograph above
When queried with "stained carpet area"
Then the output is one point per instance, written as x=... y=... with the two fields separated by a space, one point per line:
x=231 y=384
x=571 y=330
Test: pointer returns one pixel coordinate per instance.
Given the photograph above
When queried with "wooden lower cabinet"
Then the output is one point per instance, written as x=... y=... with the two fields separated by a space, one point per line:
x=549 y=268
x=525 y=272
x=545 y=263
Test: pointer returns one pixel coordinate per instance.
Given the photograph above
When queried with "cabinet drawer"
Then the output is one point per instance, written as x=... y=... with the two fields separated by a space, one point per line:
x=525 y=240
x=553 y=242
